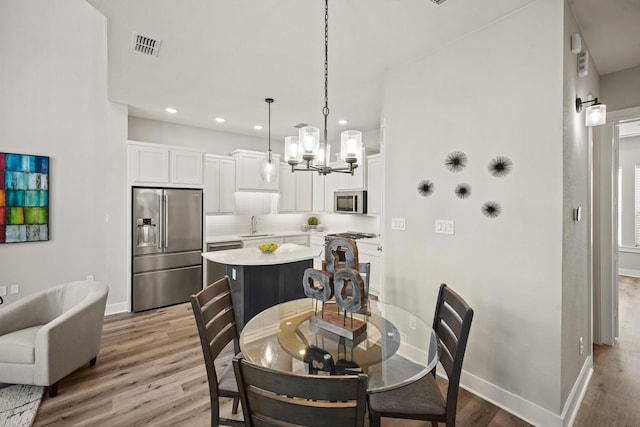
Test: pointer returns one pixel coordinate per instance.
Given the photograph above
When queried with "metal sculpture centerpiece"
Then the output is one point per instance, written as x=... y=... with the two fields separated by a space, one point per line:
x=340 y=280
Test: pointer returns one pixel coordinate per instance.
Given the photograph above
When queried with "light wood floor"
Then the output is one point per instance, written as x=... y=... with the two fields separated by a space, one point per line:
x=150 y=372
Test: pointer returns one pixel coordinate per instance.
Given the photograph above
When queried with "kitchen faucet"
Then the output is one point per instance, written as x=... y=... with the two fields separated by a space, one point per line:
x=254 y=223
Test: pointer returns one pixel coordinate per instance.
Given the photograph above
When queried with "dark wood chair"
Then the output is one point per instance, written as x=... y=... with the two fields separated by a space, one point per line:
x=272 y=397
x=213 y=311
x=422 y=399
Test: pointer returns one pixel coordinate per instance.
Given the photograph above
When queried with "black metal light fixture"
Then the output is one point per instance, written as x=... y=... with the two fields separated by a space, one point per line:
x=269 y=170
x=308 y=149
x=596 y=113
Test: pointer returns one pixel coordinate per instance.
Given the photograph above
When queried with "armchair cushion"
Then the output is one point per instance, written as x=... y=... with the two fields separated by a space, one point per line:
x=19 y=346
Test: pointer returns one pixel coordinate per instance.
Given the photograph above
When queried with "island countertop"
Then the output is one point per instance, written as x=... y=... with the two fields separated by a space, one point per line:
x=286 y=253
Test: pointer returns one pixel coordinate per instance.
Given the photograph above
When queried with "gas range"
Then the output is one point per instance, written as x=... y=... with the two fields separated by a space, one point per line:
x=353 y=235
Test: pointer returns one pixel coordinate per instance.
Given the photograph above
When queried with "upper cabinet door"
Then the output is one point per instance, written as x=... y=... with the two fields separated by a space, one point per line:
x=186 y=167
x=220 y=184
x=248 y=171
x=148 y=164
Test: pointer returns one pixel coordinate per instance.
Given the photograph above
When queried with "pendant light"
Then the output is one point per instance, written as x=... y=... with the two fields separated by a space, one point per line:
x=308 y=148
x=269 y=170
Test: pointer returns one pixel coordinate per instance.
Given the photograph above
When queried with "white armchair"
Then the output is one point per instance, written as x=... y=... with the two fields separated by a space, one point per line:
x=46 y=336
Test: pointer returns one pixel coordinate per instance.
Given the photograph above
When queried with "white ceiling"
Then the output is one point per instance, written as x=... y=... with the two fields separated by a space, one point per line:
x=224 y=57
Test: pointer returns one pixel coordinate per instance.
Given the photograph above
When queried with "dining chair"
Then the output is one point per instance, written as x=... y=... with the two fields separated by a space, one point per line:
x=422 y=400
x=272 y=397
x=216 y=322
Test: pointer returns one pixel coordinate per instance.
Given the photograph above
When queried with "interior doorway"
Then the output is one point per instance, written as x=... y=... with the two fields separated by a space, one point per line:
x=605 y=225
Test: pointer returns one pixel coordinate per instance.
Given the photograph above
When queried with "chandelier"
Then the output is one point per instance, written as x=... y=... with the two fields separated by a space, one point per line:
x=307 y=149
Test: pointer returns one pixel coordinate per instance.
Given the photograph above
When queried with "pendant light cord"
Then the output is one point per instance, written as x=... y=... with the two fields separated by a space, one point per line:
x=325 y=110
x=269 y=101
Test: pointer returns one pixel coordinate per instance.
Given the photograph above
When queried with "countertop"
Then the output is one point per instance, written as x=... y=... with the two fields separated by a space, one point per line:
x=286 y=253
x=278 y=234
x=260 y=235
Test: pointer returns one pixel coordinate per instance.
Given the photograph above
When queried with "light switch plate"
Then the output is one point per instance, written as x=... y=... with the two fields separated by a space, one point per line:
x=398 y=224
x=3 y=291
x=445 y=226
x=14 y=289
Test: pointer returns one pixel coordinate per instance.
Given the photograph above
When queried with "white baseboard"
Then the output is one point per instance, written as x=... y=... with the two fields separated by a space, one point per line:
x=629 y=272
x=574 y=400
x=120 y=307
x=516 y=405
x=525 y=409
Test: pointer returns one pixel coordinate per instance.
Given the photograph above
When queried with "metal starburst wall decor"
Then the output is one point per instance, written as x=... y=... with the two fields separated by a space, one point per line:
x=456 y=161
x=425 y=188
x=500 y=166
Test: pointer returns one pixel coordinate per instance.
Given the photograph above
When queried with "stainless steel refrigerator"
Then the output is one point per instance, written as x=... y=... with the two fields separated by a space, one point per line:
x=167 y=246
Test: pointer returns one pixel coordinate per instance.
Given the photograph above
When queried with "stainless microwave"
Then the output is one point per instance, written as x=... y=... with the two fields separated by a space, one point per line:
x=350 y=202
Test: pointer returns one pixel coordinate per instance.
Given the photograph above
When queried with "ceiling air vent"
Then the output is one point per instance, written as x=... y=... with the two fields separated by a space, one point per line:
x=145 y=44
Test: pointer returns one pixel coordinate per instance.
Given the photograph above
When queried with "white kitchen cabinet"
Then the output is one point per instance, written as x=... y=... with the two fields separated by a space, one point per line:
x=148 y=164
x=248 y=167
x=319 y=200
x=296 y=190
x=287 y=200
x=375 y=182
x=219 y=184
x=372 y=253
x=257 y=241
x=298 y=240
x=159 y=164
x=186 y=167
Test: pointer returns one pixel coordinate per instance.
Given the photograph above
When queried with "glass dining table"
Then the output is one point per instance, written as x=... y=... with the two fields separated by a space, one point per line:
x=394 y=348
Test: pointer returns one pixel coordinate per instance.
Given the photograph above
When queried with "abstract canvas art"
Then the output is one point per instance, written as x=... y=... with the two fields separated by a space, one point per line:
x=24 y=198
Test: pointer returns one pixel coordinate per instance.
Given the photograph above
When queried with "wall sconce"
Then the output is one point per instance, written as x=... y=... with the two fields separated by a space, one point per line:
x=596 y=113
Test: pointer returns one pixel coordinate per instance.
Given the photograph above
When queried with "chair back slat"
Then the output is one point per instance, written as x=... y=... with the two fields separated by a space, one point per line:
x=224 y=321
x=277 y=398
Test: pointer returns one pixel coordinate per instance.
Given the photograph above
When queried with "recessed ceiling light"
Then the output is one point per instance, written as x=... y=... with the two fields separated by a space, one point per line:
x=343 y=122
x=220 y=119
x=171 y=110
x=258 y=127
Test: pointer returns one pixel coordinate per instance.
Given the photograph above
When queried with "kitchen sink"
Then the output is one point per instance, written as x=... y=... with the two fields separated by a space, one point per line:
x=255 y=235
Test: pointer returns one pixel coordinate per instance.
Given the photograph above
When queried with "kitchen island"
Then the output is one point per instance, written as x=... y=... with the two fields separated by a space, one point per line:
x=260 y=281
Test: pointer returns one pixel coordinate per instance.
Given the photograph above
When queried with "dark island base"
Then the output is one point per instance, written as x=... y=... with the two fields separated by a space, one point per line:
x=258 y=287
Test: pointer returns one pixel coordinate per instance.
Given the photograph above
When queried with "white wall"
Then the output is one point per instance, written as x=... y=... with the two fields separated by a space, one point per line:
x=53 y=83
x=576 y=235
x=621 y=90
x=208 y=140
x=497 y=91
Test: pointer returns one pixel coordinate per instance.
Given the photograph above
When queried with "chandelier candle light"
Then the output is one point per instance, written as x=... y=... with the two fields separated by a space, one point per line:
x=269 y=170
x=307 y=148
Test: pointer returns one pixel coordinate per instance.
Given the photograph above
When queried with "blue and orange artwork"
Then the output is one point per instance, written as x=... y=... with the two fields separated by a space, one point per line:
x=24 y=198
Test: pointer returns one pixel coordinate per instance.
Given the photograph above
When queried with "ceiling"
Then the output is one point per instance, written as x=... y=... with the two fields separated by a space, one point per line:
x=224 y=57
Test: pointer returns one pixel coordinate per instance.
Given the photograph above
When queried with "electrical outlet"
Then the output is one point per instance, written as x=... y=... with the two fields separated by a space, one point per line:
x=14 y=289
x=412 y=322
x=581 y=344
x=3 y=291
x=90 y=277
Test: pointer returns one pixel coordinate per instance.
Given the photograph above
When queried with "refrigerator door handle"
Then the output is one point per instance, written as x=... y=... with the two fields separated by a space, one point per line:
x=161 y=222
x=166 y=221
